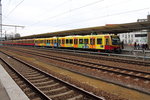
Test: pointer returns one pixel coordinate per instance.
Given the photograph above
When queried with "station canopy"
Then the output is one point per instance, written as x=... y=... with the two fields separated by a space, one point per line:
x=107 y=29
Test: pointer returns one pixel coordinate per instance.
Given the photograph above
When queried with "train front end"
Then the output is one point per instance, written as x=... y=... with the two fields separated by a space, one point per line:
x=113 y=44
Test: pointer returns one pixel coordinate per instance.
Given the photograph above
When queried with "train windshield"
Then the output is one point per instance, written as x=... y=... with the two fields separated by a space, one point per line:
x=115 y=40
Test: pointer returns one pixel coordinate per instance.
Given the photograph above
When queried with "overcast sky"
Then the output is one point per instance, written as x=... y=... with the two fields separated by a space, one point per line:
x=42 y=16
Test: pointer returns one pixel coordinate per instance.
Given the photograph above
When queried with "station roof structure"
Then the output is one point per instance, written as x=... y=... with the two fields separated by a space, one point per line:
x=107 y=29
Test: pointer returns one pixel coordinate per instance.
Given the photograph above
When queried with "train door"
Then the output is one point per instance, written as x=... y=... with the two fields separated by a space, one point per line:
x=55 y=42
x=75 y=41
x=86 y=42
x=81 y=42
x=59 y=42
x=99 y=43
x=92 y=42
x=44 y=42
x=63 y=42
x=107 y=43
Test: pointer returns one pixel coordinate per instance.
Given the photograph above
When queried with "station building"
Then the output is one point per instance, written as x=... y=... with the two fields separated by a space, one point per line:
x=140 y=37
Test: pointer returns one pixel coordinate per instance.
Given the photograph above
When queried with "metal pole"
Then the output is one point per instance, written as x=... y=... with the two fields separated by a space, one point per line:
x=148 y=34
x=15 y=30
x=0 y=20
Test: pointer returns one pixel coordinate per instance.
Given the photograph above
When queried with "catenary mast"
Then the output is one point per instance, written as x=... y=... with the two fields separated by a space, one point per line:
x=0 y=20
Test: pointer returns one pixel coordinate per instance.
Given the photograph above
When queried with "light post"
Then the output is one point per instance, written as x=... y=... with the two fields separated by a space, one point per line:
x=0 y=20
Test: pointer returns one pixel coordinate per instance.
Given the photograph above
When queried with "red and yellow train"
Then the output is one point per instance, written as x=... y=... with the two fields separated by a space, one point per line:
x=108 y=42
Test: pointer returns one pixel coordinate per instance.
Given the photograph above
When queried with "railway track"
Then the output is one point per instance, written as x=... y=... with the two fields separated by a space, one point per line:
x=127 y=73
x=39 y=85
x=96 y=56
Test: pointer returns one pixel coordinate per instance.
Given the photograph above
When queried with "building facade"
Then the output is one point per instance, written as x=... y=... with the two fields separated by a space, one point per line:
x=140 y=37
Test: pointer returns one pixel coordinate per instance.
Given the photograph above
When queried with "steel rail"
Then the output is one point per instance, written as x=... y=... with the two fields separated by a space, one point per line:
x=91 y=95
x=106 y=80
x=43 y=96
x=116 y=72
x=79 y=52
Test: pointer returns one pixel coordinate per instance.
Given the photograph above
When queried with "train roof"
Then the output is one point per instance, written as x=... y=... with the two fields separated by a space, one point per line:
x=109 y=28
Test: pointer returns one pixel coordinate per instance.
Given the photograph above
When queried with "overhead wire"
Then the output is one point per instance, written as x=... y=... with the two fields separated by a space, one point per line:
x=95 y=18
x=71 y=10
x=108 y=6
x=14 y=8
x=53 y=9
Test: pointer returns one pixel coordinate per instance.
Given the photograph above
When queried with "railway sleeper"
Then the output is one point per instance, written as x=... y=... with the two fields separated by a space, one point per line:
x=27 y=90
x=32 y=95
x=56 y=91
x=23 y=86
x=44 y=83
x=64 y=95
x=37 y=98
x=78 y=97
x=40 y=80
x=33 y=75
x=49 y=87
x=36 y=77
x=14 y=76
x=17 y=80
x=20 y=83
x=32 y=72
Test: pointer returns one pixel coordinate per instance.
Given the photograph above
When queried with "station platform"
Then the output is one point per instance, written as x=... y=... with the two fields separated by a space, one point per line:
x=3 y=93
x=9 y=90
x=136 y=52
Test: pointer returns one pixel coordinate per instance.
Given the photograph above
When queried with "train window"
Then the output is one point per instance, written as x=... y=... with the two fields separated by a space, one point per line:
x=107 y=41
x=71 y=41
x=115 y=40
x=75 y=41
x=86 y=41
x=52 y=41
x=80 y=41
x=99 y=41
x=67 y=41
